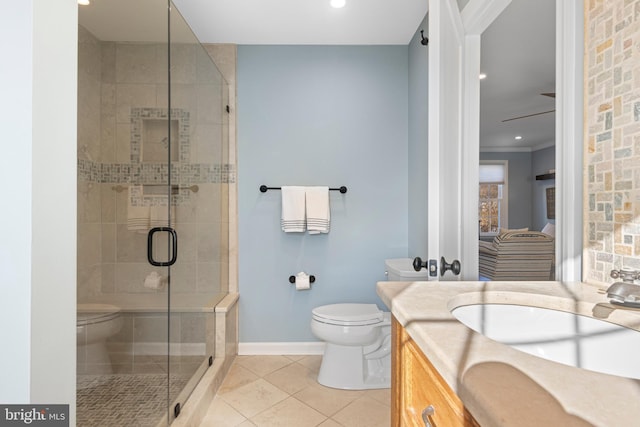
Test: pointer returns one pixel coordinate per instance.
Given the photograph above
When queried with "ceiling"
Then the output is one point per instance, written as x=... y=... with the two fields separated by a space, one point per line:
x=518 y=56
x=518 y=49
x=372 y=22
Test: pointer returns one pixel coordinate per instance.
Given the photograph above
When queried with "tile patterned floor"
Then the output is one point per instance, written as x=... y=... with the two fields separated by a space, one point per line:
x=266 y=391
x=124 y=399
x=135 y=393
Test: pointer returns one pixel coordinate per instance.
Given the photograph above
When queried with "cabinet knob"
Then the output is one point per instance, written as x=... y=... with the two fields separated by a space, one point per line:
x=426 y=413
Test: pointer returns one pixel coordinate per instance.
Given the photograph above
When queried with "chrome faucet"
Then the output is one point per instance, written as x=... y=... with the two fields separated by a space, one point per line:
x=625 y=293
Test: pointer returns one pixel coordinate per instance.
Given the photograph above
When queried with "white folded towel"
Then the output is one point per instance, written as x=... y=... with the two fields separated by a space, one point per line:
x=318 y=210
x=293 y=209
x=144 y=213
x=138 y=215
x=159 y=216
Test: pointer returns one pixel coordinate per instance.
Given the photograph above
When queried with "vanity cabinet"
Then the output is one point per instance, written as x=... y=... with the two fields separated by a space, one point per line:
x=419 y=395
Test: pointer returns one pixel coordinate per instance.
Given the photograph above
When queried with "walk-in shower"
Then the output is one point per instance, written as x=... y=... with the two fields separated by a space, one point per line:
x=153 y=216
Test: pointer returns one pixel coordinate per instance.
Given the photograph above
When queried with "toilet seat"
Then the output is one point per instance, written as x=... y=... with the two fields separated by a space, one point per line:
x=89 y=314
x=348 y=314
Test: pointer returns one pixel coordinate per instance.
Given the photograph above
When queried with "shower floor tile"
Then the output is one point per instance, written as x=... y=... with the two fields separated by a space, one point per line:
x=124 y=399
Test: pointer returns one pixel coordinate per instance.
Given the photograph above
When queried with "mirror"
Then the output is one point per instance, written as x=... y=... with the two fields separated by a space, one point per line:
x=517 y=114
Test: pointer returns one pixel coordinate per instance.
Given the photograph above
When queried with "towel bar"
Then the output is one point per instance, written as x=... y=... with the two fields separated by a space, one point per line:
x=264 y=188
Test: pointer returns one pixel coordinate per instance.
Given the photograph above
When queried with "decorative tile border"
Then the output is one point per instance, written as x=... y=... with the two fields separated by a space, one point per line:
x=155 y=173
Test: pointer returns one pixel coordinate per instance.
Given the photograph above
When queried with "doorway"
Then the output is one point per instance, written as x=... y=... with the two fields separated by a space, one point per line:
x=475 y=19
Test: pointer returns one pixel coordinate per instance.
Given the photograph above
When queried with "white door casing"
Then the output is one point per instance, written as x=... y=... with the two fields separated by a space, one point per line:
x=454 y=115
x=446 y=48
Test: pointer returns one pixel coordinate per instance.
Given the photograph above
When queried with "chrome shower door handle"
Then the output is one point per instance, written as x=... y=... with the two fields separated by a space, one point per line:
x=174 y=247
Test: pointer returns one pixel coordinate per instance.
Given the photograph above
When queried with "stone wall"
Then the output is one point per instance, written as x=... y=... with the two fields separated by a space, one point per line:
x=612 y=137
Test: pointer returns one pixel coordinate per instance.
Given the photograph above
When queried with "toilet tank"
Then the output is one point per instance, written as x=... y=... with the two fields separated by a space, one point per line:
x=401 y=270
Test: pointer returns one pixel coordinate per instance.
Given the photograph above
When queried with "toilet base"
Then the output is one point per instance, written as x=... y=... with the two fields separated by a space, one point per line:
x=348 y=368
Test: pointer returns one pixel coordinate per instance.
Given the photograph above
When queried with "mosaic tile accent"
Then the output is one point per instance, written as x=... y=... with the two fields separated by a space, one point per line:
x=138 y=116
x=155 y=173
x=89 y=171
x=124 y=399
x=612 y=137
x=141 y=173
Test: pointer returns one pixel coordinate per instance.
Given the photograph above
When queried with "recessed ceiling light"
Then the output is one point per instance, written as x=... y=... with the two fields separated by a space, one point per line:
x=518 y=138
x=482 y=76
x=84 y=2
x=338 y=3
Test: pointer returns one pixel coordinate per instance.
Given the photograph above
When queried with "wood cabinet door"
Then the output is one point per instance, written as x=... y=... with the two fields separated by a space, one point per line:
x=417 y=385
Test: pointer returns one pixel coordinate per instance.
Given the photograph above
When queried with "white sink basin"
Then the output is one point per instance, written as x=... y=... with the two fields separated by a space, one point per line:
x=567 y=338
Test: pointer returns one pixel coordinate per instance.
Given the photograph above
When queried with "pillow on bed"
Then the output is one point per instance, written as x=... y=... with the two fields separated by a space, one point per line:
x=549 y=229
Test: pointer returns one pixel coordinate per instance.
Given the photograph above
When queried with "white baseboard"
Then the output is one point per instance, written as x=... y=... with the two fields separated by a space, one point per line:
x=280 y=348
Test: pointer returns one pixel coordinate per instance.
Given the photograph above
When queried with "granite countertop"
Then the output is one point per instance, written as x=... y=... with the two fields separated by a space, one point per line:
x=502 y=386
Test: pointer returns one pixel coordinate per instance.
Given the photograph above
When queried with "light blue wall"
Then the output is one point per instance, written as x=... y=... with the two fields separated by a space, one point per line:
x=318 y=115
x=418 y=138
x=520 y=179
x=541 y=162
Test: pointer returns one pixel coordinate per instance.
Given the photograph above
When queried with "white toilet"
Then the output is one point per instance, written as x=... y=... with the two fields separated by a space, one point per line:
x=357 y=353
x=95 y=323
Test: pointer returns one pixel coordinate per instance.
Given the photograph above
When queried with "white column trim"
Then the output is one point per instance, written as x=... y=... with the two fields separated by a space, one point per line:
x=569 y=139
x=470 y=163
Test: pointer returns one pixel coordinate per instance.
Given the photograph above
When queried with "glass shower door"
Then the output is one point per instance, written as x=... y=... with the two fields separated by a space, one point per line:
x=125 y=137
x=152 y=210
x=199 y=132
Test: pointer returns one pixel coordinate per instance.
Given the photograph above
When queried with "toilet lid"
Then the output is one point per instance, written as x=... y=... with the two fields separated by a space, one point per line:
x=348 y=314
x=94 y=313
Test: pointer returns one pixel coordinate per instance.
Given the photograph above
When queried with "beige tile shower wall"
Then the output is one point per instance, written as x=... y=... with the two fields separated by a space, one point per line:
x=612 y=137
x=89 y=264
x=140 y=81
x=225 y=57
x=113 y=79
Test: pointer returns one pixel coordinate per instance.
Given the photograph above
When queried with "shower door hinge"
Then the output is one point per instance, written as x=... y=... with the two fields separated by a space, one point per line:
x=228 y=109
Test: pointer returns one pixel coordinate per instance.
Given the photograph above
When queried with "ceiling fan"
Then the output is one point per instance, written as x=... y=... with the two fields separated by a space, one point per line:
x=549 y=94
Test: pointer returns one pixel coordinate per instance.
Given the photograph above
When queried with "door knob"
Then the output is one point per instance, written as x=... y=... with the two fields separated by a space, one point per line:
x=444 y=266
x=418 y=264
